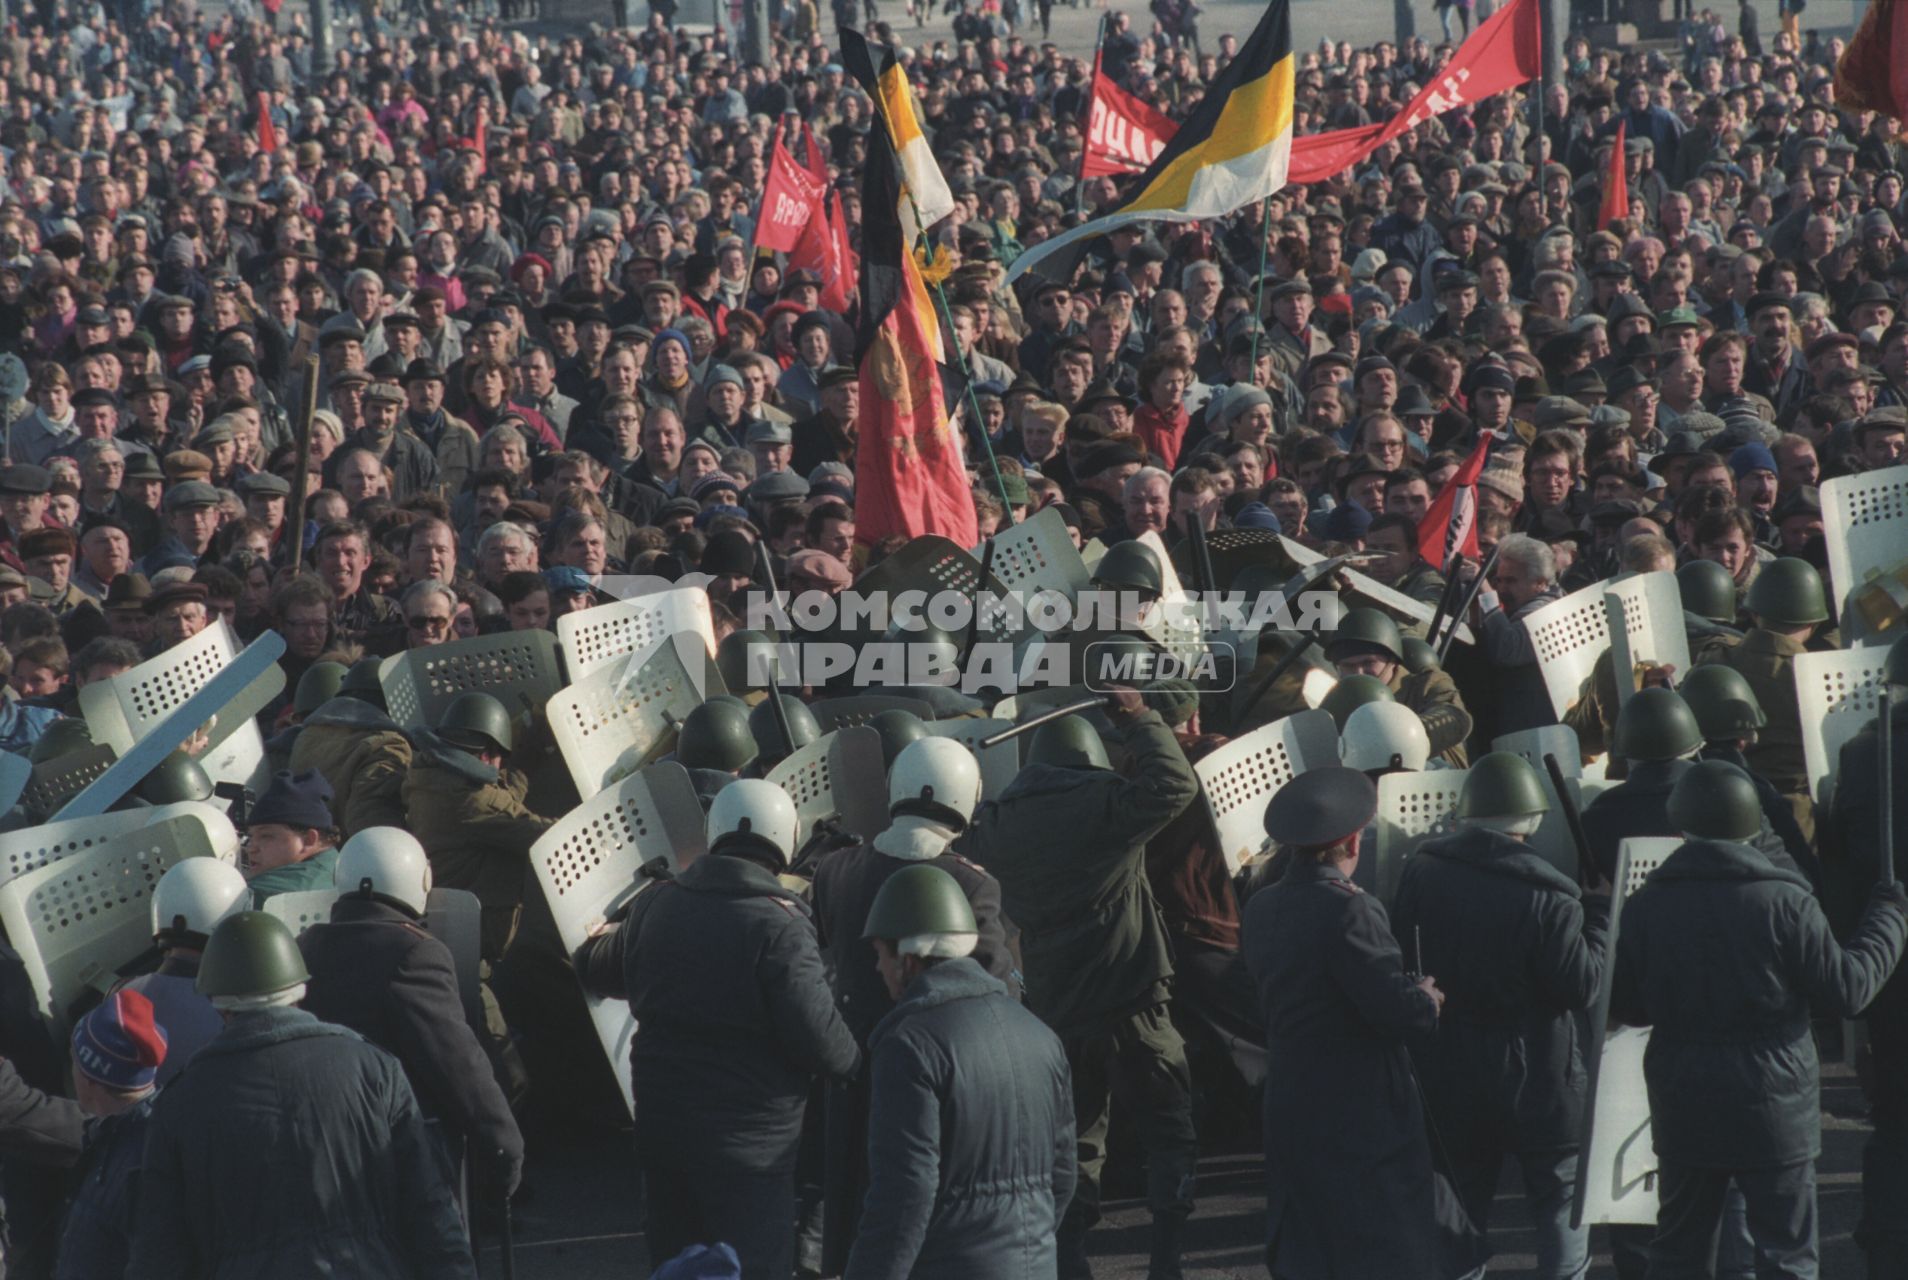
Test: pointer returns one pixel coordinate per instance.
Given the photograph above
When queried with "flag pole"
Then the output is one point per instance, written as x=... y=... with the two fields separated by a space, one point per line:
x=1086 y=135
x=1258 y=306
x=967 y=379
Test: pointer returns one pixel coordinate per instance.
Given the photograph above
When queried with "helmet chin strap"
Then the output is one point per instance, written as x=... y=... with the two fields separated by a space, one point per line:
x=914 y=838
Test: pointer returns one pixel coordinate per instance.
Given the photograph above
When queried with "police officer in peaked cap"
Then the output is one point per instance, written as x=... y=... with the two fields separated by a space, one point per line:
x=1349 y=1191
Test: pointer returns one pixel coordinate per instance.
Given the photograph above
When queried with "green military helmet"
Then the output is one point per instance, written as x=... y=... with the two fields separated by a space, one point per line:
x=1656 y=724
x=250 y=955
x=475 y=722
x=1502 y=784
x=730 y=700
x=732 y=659
x=1724 y=705
x=1419 y=656
x=767 y=730
x=1366 y=631
x=1131 y=566
x=898 y=729
x=1895 y=665
x=175 y=780
x=1121 y=659
x=715 y=736
x=319 y=685
x=1068 y=743
x=1707 y=591
x=922 y=910
x=1788 y=593
x=1255 y=580
x=1715 y=800
x=64 y=736
x=1352 y=692
x=361 y=682
x=919 y=631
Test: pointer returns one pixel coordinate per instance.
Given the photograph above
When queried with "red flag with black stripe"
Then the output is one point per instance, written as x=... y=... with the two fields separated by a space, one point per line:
x=910 y=477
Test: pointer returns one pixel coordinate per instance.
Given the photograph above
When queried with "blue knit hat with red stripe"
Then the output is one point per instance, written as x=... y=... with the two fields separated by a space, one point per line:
x=118 y=1045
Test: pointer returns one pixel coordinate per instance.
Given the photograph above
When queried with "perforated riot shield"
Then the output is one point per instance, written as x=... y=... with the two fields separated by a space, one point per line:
x=1836 y=692
x=518 y=668
x=1237 y=781
x=1616 y=1179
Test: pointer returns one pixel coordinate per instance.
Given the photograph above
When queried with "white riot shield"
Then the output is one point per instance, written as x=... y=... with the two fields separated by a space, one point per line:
x=1412 y=808
x=1038 y=555
x=933 y=565
x=838 y=776
x=861 y=708
x=1644 y=616
x=301 y=910
x=76 y=920
x=590 y=638
x=1176 y=623
x=1569 y=635
x=1238 y=780
x=615 y=720
x=1552 y=841
x=34 y=847
x=128 y=708
x=1836 y=692
x=170 y=706
x=54 y=782
x=1865 y=524
x=518 y=668
x=1396 y=603
x=589 y=866
x=1617 y=1168
x=999 y=764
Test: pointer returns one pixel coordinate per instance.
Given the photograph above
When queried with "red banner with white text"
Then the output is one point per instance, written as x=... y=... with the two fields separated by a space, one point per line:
x=791 y=199
x=1123 y=133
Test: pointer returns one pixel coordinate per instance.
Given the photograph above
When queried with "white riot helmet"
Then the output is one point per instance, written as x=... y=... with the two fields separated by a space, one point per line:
x=753 y=811
x=935 y=778
x=1385 y=736
x=192 y=897
x=387 y=863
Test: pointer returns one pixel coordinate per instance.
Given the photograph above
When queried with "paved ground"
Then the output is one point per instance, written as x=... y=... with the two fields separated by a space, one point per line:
x=581 y=1223
x=1312 y=20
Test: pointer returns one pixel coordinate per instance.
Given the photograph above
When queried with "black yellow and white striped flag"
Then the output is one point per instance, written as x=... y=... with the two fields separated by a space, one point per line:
x=1232 y=150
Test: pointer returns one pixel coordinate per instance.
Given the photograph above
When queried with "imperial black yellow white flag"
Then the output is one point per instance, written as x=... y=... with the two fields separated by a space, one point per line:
x=926 y=188
x=1232 y=150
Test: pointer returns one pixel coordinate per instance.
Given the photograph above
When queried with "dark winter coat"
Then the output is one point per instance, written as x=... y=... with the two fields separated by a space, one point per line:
x=1721 y=954
x=1069 y=849
x=971 y=1150
x=1518 y=952
x=844 y=889
x=378 y=972
x=320 y=1156
x=97 y=1238
x=1639 y=806
x=734 y=1018
x=1348 y=1166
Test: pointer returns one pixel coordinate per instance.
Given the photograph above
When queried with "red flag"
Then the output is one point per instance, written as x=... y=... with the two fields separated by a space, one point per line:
x=910 y=476
x=267 y=134
x=823 y=247
x=1873 y=72
x=1506 y=50
x=1124 y=134
x=1449 y=527
x=790 y=195
x=1616 y=183
x=812 y=154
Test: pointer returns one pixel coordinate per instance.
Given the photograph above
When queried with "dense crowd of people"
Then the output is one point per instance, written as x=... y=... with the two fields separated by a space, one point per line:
x=515 y=278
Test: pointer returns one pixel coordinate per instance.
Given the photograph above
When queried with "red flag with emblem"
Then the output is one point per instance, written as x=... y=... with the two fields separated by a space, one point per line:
x=1873 y=72
x=1449 y=527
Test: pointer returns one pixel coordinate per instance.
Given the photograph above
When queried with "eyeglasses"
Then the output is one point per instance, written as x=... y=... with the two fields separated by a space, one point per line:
x=427 y=622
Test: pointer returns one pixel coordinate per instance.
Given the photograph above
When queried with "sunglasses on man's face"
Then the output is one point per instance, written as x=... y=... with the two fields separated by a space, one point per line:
x=427 y=622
